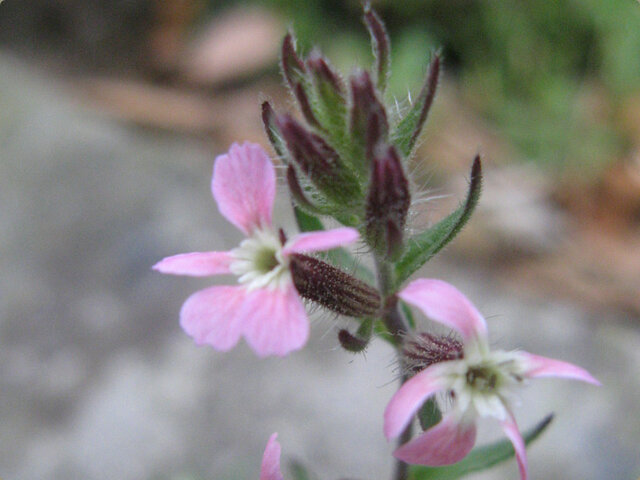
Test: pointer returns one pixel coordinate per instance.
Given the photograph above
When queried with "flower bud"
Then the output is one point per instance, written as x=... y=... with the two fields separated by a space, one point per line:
x=350 y=342
x=368 y=118
x=293 y=67
x=318 y=161
x=380 y=44
x=329 y=99
x=332 y=288
x=387 y=203
x=421 y=350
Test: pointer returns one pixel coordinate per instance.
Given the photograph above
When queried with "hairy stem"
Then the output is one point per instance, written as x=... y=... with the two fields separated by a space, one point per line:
x=398 y=327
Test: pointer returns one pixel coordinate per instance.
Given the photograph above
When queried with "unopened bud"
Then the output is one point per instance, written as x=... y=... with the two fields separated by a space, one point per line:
x=330 y=103
x=380 y=44
x=332 y=288
x=421 y=350
x=368 y=122
x=350 y=342
x=387 y=203
x=292 y=66
x=318 y=161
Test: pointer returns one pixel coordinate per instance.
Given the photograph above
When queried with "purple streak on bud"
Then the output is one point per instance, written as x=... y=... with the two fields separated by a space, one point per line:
x=292 y=66
x=380 y=45
x=282 y=236
x=332 y=288
x=423 y=349
x=324 y=73
x=387 y=203
x=317 y=160
x=368 y=115
x=352 y=343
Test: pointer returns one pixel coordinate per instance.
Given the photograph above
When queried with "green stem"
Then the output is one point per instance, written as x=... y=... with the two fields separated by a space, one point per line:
x=398 y=327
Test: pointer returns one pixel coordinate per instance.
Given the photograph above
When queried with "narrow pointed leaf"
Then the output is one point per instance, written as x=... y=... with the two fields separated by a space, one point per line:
x=409 y=128
x=423 y=246
x=479 y=459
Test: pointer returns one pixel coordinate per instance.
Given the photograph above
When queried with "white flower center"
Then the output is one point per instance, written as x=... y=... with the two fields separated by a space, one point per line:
x=485 y=383
x=258 y=261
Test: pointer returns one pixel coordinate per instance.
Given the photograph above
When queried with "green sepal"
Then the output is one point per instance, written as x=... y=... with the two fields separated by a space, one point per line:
x=409 y=128
x=422 y=247
x=429 y=414
x=479 y=459
x=339 y=257
x=408 y=314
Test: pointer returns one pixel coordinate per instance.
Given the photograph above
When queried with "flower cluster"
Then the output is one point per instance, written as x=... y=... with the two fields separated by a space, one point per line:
x=347 y=161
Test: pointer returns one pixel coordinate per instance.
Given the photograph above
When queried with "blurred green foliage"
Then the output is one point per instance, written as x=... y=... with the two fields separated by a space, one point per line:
x=551 y=75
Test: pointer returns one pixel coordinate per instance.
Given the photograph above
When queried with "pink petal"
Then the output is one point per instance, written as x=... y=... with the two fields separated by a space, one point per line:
x=537 y=366
x=411 y=395
x=511 y=431
x=196 y=264
x=275 y=322
x=319 y=241
x=244 y=185
x=211 y=317
x=444 y=303
x=446 y=443
x=270 y=469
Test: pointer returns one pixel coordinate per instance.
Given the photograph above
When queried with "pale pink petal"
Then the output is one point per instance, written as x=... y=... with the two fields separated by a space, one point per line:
x=270 y=469
x=411 y=395
x=211 y=317
x=275 y=322
x=244 y=185
x=537 y=366
x=321 y=240
x=196 y=264
x=446 y=443
x=511 y=431
x=444 y=303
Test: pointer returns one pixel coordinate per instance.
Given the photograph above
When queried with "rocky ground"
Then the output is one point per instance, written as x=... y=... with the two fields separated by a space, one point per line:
x=98 y=381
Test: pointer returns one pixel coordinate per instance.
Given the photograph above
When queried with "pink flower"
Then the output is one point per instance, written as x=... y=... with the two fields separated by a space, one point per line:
x=480 y=383
x=265 y=307
x=270 y=468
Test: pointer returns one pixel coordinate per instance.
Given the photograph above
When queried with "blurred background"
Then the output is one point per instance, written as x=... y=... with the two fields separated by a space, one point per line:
x=111 y=114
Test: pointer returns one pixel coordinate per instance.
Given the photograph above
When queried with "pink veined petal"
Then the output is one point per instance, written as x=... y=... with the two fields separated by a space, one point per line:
x=275 y=321
x=211 y=317
x=411 y=395
x=244 y=186
x=444 y=303
x=537 y=366
x=196 y=264
x=511 y=431
x=270 y=468
x=446 y=443
x=321 y=240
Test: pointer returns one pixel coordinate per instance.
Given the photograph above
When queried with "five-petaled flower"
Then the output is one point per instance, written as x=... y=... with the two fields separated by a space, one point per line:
x=270 y=468
x=480 y=383
x=265 y=308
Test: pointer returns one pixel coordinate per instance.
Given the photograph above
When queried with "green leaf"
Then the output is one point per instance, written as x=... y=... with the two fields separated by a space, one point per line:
x=409 y=128
x=429 y=414
x=299 y=471
x=338 y=256
x=422 y=247
x=479 y=459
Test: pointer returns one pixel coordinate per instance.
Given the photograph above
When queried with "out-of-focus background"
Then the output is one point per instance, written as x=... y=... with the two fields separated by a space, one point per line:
x=110 y=116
